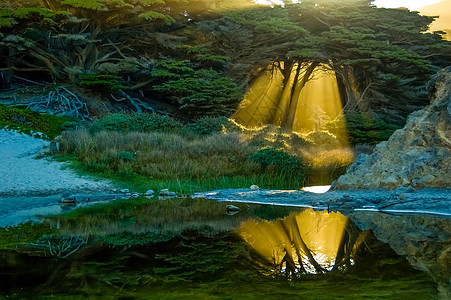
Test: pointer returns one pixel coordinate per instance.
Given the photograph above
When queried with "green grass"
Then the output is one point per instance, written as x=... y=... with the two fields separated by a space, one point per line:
x=12 y=237
x=141 y=154
x=184 y=164
x=31 y=122
x=142 y=221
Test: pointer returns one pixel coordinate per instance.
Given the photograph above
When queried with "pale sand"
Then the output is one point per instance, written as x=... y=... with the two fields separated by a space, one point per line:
x=23 y=174
x=32 y=186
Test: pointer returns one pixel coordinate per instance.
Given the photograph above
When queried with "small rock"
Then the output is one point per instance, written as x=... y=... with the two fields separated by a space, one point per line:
x=54 y=147
x=164 y=192
x=125 y=191
x=135 y=195
x=254 y=187
x=232 y=208
x=403 y=197
x=149 y=193
x=68 y=199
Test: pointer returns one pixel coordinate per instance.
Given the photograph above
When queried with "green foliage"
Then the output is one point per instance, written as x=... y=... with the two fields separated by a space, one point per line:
x=97 y=4
x=127 y=238
x=153 y=15
x=207 y=92
x=210 y=125
x=104 y=82
x=323 y=139
x=11 y=237
x=126 y=156
x=6 y=19
x=117 y=122
x=276 y=158
x=363 y=129
x=214 y=58
x=172 y=66
x=138 y=122
x=26 y=121
x=9 y=18
x=153 y=122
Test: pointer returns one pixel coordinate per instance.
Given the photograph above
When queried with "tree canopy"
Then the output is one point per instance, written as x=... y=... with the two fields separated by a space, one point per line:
x=200 y=56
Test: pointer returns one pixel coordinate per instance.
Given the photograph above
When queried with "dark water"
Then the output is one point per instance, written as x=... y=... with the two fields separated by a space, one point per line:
x=261 y=252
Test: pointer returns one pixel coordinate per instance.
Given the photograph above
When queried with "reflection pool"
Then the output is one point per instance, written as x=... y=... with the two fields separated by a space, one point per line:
x=185 y=248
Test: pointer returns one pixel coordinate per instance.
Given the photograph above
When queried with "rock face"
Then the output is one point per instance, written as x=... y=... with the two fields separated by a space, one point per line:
x=418 y=155
x=424 y=240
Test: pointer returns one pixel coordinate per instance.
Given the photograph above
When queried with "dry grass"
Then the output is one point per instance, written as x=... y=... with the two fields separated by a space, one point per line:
x=220 y=160
x=143 y=216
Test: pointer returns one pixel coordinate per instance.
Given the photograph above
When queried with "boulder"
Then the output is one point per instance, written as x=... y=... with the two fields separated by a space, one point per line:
x=418 y=155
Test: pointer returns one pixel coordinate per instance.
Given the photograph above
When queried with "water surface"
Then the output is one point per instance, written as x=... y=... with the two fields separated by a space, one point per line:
x=178 y=249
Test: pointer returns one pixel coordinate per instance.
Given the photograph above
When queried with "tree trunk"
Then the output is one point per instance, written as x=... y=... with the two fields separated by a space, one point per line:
x=353 y=99
x=296 y=89
x=6 y=77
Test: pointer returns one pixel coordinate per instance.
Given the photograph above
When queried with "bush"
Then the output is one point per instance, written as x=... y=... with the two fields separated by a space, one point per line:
x=138 y=122
x=278 y=159
x=210 y=125
x=206 y=92
x=113 y=122
x=153 y=122
x=126 y=156
x=103 y=82
x=323 y=139
x=27 y=120
x=363 y=129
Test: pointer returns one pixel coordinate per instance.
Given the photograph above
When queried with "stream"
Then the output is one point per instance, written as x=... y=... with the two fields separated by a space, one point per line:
x=195 y=248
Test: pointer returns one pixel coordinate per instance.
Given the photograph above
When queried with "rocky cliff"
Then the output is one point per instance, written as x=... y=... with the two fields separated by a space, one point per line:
x=418 y=155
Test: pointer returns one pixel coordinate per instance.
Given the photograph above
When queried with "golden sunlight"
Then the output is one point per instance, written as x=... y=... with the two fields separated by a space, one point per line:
x=300 y=98
x=443 y=10
x=309 y=242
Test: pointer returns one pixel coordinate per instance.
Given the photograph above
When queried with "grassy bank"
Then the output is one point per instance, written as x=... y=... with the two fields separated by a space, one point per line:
x=31 y=122
x=152 y=151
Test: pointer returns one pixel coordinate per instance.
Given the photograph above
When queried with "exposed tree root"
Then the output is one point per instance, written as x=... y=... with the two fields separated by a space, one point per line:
x=63 y=246
x=137 y=103
x=62 y=101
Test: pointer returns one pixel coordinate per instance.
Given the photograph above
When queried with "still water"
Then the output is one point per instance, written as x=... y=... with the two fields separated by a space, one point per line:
x=194 y=249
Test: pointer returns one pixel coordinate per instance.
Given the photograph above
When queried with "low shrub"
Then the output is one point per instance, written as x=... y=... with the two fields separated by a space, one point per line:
x=210 y=125
x=323 y=139
x=126 y=156
x=113 y=122
x=138 y=122
x=105 y=82
x=30 y=121
x=362 y=129
x=278 y=159
x=153 y=122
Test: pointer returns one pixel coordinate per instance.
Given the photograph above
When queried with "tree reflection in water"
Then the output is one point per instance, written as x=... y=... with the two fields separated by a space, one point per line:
x=309 y=242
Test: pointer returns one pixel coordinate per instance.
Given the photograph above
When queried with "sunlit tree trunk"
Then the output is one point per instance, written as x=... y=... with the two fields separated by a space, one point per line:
x=296 y=88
